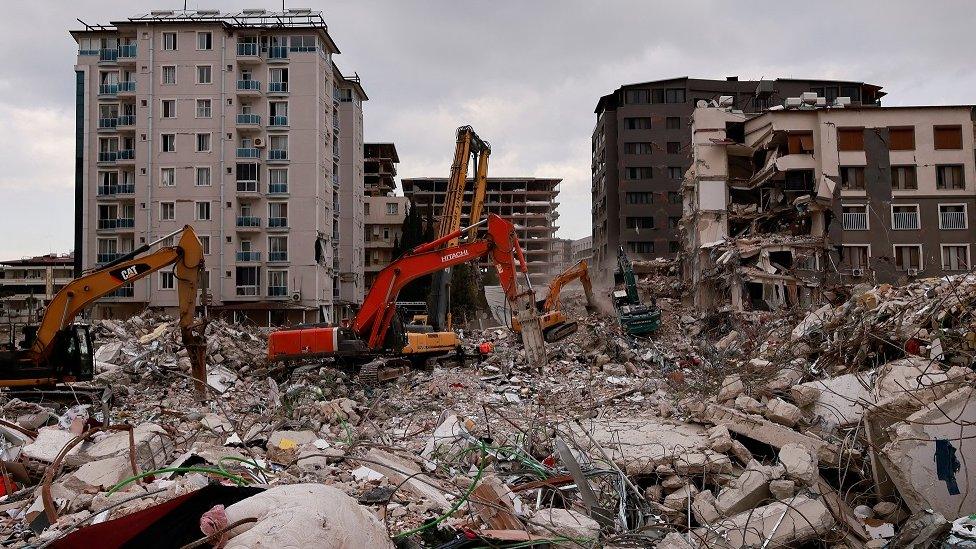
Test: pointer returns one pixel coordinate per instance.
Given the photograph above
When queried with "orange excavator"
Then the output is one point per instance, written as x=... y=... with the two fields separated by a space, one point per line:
x=376 y=337
x=555 y=325
x=59 y=350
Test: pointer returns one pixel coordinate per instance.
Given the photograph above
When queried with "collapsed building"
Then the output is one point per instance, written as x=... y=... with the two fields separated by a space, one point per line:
x=783 y=206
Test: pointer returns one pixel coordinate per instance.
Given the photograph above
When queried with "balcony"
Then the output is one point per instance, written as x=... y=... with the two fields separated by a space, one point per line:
x=277 y=154
x=126 y=120
x=108 y=55
x=249 y=119
x=126 y=88
x=112 y=190
x=335 y=181
x=277 y=223
x=278 y=188
x=277 y=87
x=108 y=89
x=127 y=52
x=121 y=223
x=248 y=87
x=905 y=221
x=107 y=123
x=248 y=152
x=248 y=222
x=278 y=121
x=108 y=156
x=126 y=290
x=277 y=291
x=247 y=50
x=247 y=290
x=248 y=256
x=107 y=257
x=127 y=155
x=125 y=223
x=855 y=221
x=247 y=185
x=277 y=256
x=278 y=53
x=950 y=221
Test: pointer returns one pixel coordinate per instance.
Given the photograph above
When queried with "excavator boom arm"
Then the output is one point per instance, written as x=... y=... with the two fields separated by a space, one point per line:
x=580 y=271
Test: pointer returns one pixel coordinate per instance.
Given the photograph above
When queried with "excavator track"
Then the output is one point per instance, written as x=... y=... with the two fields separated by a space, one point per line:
x=381 y=370
x=560 y=331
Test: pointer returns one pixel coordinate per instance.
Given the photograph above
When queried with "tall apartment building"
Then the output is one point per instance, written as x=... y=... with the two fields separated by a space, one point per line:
x=384 y=211
x=27 y=285
x=640 y=148
x=348 y=151
x=582 y=248
x=232 y=123
x=528 y=202
x=782 y=204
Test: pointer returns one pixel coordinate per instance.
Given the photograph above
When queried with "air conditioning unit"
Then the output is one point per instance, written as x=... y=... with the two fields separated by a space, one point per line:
x=809 y=97
x=912 y=272
x=296 y=296
x=792 y=102
x=258 y=143
x=857 y=272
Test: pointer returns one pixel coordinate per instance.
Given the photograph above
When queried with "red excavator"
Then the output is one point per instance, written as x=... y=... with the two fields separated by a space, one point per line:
x=377 y=334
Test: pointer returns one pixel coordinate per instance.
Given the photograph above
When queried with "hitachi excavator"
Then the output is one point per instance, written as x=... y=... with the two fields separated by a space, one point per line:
x=59 y=350
x=376 y=337
x=555 y=325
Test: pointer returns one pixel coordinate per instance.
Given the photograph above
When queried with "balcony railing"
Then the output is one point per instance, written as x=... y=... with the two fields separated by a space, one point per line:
x=247 y=186
x=952 y=220
x=107 y=123
x=248 y=152
x=107 y=223
x=277 y=87
x=277 y=222
x=107 y=258
x=110 y=190
x=247 y=290
x=248 y=221
x=108 y=54
x=905 y=221
x=126 y=290
x=108 y=89
x=247 y=50
x=277 y=291
x=249 y=256
x=126 y=120
x=278 y=52
x=127 y=154
x=277 y=256
x=279 y=121
x=125 y=223
x=277 y=154
x=248 y=85
x=108 y=156
x=249 y=118
x=127 y=87
x=335 y=180
x=855 y=221
x=277 y=188
x=127 y=51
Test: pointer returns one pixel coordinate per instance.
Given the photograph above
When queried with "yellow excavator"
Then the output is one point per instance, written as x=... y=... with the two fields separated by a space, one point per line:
x=60 y=350
x=555 y=325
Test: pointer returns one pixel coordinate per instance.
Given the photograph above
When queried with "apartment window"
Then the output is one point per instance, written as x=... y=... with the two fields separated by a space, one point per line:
x=638 y=123
x=277 y=214
x=657 y=95
x=204 y=41
x=169 y=41
x=674 y=147
x=800 y=142
x=949 y=177
x=169 y=108
x=953 y=217
x=204 y=243
x=204 y=74
x=203 y=142
x=641 y=247
x=168 y=142
x=637 y=97
x=202 y=177
x=640 y=222
x=673 y=123
x=674 y=197
x=798 y=180
x=392 y=208
x=277 y=248
x=277 y=283
x=639 y=173
x=169 y=74
x=167 y=280
x=903 y=178
x=673 y=222
x=675 y=172
x=167 y=177
x=901 y=139
x=167 y=211
x=905 y=217
x=637 y=148
x=908 y=256
x=852 y=178
x=948 y=137
x=248 y=280
x=675 y=95
x=204 y=108
x=203 y=211
x=955 y=257
x=277 y=180
x=640 y=198
x=856 y=256
x=850 y=139
x=855 y=217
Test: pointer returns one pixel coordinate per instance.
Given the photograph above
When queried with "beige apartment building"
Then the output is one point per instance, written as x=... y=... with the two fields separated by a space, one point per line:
x=384 y=211
x=782 y=205
x=235 y=123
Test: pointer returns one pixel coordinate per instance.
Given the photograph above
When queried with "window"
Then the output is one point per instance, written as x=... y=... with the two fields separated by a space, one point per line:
x=852 y=178
x=392 y=208
x=204 y=41
x=248 y=280
x=639 y=173
x=277 y=248
x=637 y=97
x=638 y=123
x=641 y=247
x=955 y=257
x=169 y=41
x=856 y=256
x=302 y=42
x=675 y=95
x=673 y=222
x=169 y=74
x=675 y=172
x=674 y=147
x=202 y=177
x=949 y=177
x=204 y=108
x=905 y=217
x=277 y=283
x=673 y=123
x=855 y=217
x=674 y=197
x=948 y=137
x=277 y=180
x=800 y=142
x=854 y=92
x=850 y=139
x=204 y=74
x=640 y=198
x=203 y=142
x=168 y=142
x=277 y=214
x=908 y=257
x=901 y=139
x=169 y=108
x=167 y=211
x=167 y=280
x=903 y=178
x=167 y=177
x=952 y=217
x=637 y=148
x=640 y=222
x=204 y=244
x=203 y=211
x=798 y=181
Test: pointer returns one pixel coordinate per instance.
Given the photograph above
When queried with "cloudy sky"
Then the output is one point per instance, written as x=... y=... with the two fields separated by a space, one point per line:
x=525 y=74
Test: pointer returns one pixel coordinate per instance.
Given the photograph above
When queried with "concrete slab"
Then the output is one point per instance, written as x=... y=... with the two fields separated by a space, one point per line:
x=842 y=399
x=639 y=444
x=800 y=519
x=49 y=441
x=748 y=491
x=768 y=432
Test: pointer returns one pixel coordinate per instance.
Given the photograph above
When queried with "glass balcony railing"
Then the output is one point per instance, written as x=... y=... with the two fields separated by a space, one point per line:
x=108 y=89
x=127 y=154
x=248 y=152
x=126 y=290
x=247 y=290
x=277 y=154
x=112 y=190
x=277 y=87
x=247 y=186
x=127 y=51
x=278 y=121
x=277 y=188
x=247 y=50
x=107 y=123
x=249 y=256
x=127 y=120
x=277 y=222
x=248 y=221
x=127 y=87
x=277 y=256
x=107 y=257
x=108 y=54
x=125 y=223
x=108 y=156
x=277 y=291
x=249 y=118
x=278 y=52
x=107 y=223
x=248 y=85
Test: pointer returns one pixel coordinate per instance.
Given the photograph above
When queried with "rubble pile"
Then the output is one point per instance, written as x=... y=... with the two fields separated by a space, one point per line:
x=844 y=426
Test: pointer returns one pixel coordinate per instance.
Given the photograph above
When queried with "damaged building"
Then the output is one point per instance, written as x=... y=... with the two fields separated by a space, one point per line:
x=782 y=206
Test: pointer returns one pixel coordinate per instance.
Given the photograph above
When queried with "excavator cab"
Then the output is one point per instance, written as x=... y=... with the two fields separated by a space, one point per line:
x=71 y=359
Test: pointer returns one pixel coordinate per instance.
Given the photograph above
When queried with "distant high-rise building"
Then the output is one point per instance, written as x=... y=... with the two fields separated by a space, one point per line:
x=384 y=210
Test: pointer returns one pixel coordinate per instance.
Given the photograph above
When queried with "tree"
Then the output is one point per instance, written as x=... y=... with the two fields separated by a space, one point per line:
x=412 y=235
x=464 y=293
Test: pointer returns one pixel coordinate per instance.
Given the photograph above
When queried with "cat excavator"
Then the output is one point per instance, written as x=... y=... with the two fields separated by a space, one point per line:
x=60 y=350
x=555 y=325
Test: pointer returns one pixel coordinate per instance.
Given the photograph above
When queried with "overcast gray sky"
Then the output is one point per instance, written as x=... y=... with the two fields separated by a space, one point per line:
x=525 y=74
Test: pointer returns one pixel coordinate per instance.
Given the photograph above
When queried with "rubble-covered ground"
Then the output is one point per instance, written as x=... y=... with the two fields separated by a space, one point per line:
x=843 y=426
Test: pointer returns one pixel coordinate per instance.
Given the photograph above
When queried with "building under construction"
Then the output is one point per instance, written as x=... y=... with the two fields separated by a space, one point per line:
x=528 y=202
